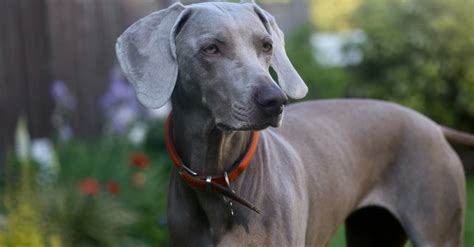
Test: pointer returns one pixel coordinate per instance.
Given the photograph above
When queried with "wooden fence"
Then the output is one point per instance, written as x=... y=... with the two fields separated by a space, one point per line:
x=25 y=60
x=73 y=41
x=69 y=40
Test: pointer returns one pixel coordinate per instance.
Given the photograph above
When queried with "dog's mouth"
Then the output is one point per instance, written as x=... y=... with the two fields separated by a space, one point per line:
x=224 y=127
x=276 y=120
x=246 y=125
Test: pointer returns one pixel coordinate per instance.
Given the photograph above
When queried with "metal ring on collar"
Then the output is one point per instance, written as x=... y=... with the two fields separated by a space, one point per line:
x=208 y=183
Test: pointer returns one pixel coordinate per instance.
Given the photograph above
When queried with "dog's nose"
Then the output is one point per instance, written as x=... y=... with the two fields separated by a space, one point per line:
x=271 y=99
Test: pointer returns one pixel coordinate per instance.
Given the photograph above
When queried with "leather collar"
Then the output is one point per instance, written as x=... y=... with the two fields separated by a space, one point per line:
x=219 y=183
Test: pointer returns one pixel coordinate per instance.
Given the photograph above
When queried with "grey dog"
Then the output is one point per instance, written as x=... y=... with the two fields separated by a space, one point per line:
x=386 y=171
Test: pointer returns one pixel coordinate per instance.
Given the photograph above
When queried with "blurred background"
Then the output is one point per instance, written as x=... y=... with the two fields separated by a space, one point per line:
x=82 y=163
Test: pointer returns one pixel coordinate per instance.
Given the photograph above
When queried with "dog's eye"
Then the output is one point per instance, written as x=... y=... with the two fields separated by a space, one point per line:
x=267 y=46
x=210 y=49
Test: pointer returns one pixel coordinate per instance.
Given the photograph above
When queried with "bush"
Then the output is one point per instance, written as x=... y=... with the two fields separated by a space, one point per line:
x=103 y=192
x=322 y=82
x=418 y=53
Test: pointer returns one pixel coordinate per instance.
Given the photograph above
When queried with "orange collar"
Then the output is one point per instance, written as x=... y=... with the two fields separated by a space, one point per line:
x=219 y=184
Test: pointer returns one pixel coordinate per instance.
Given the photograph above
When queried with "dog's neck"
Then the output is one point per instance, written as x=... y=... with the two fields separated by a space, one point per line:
x=201 y=145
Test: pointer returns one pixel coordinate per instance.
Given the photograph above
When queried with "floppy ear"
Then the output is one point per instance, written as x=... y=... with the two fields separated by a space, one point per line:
x=288 y=79
x=146 y=52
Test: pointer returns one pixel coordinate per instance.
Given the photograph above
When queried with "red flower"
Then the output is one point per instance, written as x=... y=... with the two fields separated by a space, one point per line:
x=113 y=187
x=89 y=186
x=139 y=160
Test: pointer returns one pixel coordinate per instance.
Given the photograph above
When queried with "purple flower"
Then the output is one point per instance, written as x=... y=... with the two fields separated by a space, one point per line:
x=64 y=105
x=120 y=104
x=62 y=96
x=119 y=91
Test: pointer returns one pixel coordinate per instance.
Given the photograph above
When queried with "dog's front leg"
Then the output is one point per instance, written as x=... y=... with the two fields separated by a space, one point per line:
x=186 y=221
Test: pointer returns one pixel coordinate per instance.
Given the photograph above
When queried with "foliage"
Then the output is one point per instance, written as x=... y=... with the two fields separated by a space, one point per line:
x=83 y=220
x=21 y=200
x=322 y=82
x=104 y=192
x=418 y=53
x=142 y=185
x=24 y=216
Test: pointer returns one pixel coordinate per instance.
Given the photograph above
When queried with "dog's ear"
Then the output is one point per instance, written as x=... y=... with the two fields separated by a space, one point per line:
x=288 y=79
x=146 y=52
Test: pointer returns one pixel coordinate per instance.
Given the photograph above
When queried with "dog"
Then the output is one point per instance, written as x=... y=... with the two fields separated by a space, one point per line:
x=387 y=171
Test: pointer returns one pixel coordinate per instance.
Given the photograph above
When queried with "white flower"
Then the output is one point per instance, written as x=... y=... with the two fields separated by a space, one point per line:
x=329 y=47
x=42 y=152
x=137 y=134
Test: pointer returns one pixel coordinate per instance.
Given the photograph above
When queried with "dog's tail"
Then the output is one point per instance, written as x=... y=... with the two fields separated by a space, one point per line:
x=458 y=137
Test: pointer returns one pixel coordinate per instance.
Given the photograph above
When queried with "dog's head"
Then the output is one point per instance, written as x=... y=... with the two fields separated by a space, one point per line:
x=220 y=55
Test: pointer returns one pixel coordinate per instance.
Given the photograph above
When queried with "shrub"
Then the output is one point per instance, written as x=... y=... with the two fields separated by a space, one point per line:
x=418 y=53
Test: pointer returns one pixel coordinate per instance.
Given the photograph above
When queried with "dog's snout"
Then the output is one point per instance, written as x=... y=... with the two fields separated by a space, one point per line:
x=271 y=99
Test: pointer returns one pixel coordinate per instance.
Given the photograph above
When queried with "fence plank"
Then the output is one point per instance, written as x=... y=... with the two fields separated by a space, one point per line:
x=24 y=72
x=37 y=65
x=83 y=35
